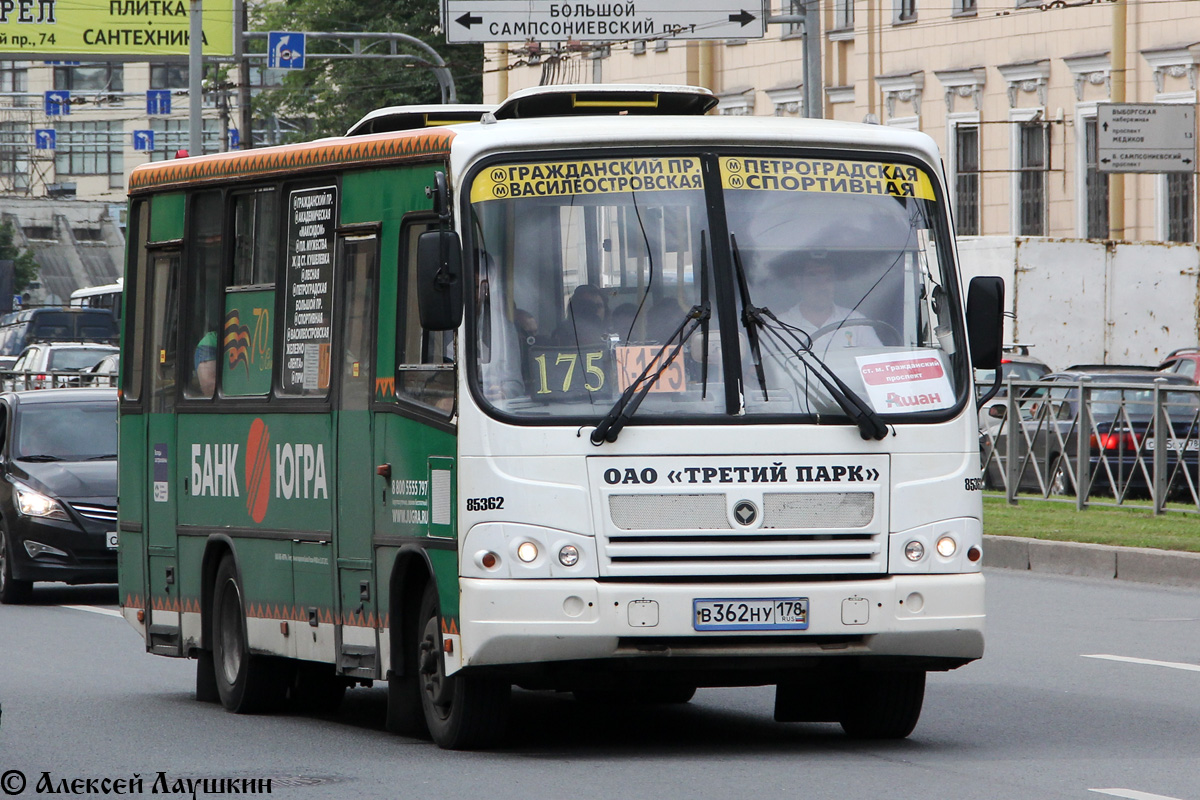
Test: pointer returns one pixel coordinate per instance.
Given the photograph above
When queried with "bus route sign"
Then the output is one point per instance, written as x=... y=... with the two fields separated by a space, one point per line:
x=560 y=20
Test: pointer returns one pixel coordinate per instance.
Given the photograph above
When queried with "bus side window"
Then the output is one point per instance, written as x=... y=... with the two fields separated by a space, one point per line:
x=164 y=328
x=424 y=359
x=206 y=279
x=246 y=339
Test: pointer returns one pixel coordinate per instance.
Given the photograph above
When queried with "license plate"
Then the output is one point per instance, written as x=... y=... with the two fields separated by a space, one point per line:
x=110 y=538
x=759 y=614
x=1189 y=445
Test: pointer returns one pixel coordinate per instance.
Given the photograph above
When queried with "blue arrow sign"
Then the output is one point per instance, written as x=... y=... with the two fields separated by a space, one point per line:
x=44 y=138
x=285 y=50
x=235 y=139
x=143 y=140
x=58 y=103
x=158 y=101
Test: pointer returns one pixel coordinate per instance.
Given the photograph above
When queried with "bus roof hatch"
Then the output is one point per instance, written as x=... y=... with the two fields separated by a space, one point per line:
x=605 y=99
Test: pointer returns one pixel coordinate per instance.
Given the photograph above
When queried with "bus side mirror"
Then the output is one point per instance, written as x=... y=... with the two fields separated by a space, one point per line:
x=985 y=321
x=439 y=280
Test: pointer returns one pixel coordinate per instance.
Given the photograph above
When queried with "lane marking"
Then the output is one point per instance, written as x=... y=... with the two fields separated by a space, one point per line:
x=1147 y=662
x=1132 y=794
x=108 y=612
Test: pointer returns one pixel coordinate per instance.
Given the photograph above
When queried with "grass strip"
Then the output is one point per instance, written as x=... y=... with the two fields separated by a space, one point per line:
x=1132 y=526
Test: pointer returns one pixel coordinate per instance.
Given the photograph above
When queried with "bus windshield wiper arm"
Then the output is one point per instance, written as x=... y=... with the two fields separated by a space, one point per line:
x=870 y=425
x=627 y=404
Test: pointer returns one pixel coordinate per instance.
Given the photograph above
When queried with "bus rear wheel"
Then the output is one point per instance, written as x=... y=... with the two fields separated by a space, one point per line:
x=246 y=683
x=882 y=705
x=463 y=711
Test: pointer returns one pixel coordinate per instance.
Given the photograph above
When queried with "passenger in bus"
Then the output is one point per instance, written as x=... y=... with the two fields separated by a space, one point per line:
x=205 y=364
x=587 y=315
x=807 y=288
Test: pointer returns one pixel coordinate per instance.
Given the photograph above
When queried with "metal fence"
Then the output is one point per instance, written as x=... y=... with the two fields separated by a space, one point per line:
x=1100 y=442
x=11 y=381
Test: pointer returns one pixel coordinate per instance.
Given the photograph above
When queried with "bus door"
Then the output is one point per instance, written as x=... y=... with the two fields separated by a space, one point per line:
x=358 y=645
x=162 y=590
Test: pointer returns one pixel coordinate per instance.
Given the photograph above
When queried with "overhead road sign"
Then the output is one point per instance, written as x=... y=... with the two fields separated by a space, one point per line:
x=57 y=103
x=285 y=50
x=143 y=139
x=158 y=101
x=1146 y=137
x=560 y=21
x=45 y=138
x=101 y=29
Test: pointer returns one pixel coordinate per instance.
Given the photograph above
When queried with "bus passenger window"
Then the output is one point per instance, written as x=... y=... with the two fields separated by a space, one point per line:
x=205 y=282
x=424 y=359
x=244 y=347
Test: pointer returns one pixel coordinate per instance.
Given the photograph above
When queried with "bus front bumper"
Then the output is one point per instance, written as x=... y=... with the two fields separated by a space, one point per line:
x=916 y=617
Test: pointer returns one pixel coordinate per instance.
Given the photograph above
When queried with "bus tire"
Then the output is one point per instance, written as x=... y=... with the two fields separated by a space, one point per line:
x=12 y=591
x=246 y=683
x=882 y=705
x=463 y=711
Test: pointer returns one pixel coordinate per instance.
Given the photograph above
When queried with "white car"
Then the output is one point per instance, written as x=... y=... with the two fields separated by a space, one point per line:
x=55 y=364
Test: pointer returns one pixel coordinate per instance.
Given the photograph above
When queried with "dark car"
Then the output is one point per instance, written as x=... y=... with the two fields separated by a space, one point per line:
x=1119 y=427
x=22 y=328
x=58 y=489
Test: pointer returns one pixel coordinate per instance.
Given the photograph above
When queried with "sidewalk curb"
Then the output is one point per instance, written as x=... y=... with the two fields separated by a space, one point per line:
x=1143 y=565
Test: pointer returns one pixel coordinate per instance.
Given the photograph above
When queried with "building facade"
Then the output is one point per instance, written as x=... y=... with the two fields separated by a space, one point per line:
x=1007 y=88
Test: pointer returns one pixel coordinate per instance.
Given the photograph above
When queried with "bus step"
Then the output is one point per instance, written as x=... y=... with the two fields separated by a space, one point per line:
x=358 y=661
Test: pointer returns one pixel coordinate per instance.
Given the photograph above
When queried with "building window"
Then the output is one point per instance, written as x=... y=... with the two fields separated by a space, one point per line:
x=90 y=78
x=966 y=179
x=168 y=76
x=1031 y=179
x=1095 y=184
x=14 y=157
x=172 y=135
x=843 y=15
x=91 y=148
x=965 y=8
x=1181 y=204
x=904 y=11
x=14 y=83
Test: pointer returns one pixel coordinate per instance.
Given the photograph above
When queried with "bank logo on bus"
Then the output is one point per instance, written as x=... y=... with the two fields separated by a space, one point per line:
x=282 y=470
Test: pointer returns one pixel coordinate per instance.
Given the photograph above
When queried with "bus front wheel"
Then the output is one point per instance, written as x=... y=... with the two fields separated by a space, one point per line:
x=882 y=705
x=246 y=683
x=463 y=711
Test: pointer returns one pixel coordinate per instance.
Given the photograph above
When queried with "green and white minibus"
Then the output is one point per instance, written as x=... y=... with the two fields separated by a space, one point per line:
x=599 y=394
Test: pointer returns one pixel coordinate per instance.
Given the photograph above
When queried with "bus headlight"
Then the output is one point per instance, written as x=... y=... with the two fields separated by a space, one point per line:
x=527 y=552
x=568 y=555
x=914 y=551
x=946 y=546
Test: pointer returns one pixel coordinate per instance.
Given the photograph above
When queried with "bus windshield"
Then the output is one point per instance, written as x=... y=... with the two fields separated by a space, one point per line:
x=585 y=270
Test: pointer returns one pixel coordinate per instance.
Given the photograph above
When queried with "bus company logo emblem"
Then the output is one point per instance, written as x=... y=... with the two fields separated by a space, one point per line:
x=745 y=512
x=258 y=470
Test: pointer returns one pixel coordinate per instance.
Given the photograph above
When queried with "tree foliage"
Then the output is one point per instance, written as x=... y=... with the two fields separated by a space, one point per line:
x=25 y=266
x=329 y=95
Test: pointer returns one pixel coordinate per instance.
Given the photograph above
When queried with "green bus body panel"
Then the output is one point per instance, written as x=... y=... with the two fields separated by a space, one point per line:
x=273 y=471
x=131 y=480
x=166 y=217
x=131 y=569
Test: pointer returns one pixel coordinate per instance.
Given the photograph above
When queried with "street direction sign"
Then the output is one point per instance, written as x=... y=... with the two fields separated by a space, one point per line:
x=235 y=139
x=158 y=101
x=285 y=50
x=57 y=103
x=143 y=140
x=45 y=138
x=560 y=21
x=1146 y=137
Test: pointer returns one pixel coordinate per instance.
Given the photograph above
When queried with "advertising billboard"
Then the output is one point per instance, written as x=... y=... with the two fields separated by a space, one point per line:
x=100 y=29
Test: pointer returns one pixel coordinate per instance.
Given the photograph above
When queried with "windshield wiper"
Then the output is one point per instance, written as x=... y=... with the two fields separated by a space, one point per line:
x=627 y=404
x=39 y=457
x=870 y=424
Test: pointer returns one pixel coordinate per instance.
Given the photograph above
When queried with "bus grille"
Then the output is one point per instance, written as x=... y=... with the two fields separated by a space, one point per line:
x=691 y=534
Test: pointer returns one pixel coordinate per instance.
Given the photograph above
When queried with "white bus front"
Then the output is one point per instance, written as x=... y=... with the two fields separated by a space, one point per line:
x=716 y=425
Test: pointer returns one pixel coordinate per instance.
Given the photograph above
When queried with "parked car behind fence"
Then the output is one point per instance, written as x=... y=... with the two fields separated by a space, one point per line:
x=1120 y=433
